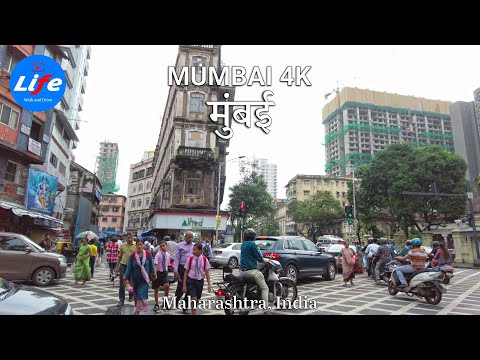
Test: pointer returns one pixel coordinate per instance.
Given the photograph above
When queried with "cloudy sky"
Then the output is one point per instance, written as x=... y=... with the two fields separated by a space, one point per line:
x=127 y=88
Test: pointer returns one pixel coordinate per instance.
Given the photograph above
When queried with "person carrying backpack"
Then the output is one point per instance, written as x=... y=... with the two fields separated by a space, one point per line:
x=206 y=249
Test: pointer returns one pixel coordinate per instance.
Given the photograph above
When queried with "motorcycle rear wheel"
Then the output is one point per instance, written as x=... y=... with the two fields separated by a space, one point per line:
x=236 y=291
x=392 y=290
x=435 y=299
x=289 y=291
x=446 y=280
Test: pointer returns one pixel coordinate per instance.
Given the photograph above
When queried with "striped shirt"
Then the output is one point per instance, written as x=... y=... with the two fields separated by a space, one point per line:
x=182 y=252
x=418 y=256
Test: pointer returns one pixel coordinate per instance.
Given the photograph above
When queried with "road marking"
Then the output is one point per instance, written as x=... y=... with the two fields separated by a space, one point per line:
x=457 y=301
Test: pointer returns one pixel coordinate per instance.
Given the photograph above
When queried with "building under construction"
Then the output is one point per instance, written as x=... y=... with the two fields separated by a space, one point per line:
x=106 y=167
x=359 y=122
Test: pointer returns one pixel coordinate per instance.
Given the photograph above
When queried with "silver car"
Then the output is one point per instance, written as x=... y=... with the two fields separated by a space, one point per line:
x=226 y=254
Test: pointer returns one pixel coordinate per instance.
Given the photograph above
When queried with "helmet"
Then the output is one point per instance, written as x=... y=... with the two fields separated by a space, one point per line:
x=166 y=238
x=416 y=242
x=408 y=242
x=383 y=241
x=435 y=244
x=249 y=234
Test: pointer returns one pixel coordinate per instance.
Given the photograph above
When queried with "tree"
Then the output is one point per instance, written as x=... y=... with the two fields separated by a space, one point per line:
x=316 y=213
x=401 y=167
x=259 y=205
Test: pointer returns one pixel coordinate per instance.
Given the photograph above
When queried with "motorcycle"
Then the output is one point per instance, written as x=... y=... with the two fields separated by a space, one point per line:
x=425 y=283
x=448 y=271
x=241 y=287
x=387 y=270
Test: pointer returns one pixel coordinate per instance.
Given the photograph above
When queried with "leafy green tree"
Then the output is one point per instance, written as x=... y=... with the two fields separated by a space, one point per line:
x=259 y=205
x=316 y=213
x=401 y=167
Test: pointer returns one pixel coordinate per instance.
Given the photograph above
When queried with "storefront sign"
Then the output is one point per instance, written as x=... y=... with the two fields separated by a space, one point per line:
x=25 y=130
x=34 y=146
x=187 y=221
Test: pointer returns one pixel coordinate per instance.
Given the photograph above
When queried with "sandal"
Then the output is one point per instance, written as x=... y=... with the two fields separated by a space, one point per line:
x=156 y=308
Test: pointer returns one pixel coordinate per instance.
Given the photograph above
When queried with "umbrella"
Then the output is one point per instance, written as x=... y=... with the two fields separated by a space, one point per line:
x=87 y=234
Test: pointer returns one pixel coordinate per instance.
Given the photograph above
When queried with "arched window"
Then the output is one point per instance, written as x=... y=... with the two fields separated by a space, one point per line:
x=132 y=204
x=134 y=189
x=149 y=185
x=147 y=201
x=139 y=202
x=140 y=187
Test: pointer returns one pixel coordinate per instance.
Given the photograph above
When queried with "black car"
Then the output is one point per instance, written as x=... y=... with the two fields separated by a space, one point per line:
x=298 y=256
x=26 y=300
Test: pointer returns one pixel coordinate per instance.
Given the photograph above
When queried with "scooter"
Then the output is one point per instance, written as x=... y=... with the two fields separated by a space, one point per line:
x=424 y=283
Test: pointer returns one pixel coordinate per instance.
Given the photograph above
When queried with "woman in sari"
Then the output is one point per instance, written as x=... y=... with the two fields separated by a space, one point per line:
x=82 y=263
x=139 y=271
x=348 y=262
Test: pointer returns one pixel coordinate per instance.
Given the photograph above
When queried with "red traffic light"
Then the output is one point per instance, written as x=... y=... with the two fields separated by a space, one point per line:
x=242 y=207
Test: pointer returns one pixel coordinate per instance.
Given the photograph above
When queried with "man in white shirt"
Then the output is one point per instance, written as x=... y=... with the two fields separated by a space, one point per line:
x=369 y=251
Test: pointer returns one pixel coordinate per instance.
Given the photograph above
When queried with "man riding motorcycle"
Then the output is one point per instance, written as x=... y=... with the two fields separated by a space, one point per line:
x=418 y=258
x=249 y=256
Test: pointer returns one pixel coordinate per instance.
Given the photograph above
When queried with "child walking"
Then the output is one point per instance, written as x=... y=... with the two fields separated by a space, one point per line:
x=161 y=262
x=196 y=269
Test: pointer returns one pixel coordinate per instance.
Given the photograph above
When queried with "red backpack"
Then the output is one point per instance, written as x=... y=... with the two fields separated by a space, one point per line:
x=191 y=259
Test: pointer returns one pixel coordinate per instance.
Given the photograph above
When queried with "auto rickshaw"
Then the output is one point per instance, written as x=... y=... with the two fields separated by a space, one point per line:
x=67 y=249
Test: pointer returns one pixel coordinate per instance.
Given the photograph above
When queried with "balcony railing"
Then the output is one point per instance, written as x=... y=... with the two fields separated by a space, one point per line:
x=195 y=152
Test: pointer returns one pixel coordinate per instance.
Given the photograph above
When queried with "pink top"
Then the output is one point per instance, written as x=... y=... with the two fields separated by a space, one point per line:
x=158 y=262
x=199 y=265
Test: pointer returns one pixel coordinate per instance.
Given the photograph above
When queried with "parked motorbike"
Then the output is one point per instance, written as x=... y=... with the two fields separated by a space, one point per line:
x=425 y=283
x=239 y=287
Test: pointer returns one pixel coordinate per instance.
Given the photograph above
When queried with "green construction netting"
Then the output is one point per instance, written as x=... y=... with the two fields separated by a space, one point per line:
x=361 y=127
x=365 y=158
x=435 y=135
x=384 y=108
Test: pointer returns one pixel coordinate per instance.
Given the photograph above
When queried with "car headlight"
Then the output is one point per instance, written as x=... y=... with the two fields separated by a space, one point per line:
x=62 y=259
x=69 y=310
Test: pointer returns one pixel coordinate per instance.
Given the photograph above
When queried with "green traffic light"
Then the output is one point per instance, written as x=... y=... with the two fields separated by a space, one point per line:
x=350 y=223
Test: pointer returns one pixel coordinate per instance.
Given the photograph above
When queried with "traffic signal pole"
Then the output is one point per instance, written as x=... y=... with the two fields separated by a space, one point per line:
x=354 y=204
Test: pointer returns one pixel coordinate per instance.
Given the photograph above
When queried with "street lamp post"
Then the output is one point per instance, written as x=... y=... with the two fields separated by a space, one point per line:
x=220 y=164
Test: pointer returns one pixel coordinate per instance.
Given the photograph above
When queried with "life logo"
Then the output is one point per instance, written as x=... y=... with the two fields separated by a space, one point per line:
x=38 y=83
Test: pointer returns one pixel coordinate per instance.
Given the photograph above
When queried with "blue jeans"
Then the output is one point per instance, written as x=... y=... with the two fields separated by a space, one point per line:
x=405 y=269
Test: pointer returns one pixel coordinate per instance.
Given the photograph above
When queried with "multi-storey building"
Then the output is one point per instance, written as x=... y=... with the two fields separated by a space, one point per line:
x=139 y=194
x=281 y=216
x=301 y=187
x=24 y=141
x=269 y=173
x=189 y=155
x=360 y=122
x=112 y=212
x=466 y=137
x=66 y=120
x=107 y=164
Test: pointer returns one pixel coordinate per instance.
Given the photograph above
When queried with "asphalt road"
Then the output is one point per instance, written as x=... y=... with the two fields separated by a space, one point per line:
x=318 y=297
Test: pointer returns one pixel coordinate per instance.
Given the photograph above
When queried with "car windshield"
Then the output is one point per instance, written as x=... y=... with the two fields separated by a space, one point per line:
x=337 y=248
x=264 y=244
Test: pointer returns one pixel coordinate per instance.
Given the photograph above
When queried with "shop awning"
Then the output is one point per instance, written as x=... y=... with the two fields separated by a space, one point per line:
x=21 y=211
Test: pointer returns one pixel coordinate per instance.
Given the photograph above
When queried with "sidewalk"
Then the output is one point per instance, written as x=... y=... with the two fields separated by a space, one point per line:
x=465 y=265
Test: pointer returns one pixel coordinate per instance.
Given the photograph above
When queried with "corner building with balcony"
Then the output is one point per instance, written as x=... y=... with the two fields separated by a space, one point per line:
x=360 y=122
x=189 y=154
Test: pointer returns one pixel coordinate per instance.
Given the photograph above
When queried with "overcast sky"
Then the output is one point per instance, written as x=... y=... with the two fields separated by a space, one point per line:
x=127 y=88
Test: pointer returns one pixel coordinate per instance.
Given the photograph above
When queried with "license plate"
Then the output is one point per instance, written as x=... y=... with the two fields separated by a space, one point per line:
x=220 y=298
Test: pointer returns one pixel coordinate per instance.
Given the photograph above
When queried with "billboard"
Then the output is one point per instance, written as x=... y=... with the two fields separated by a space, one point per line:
x=41 y=192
